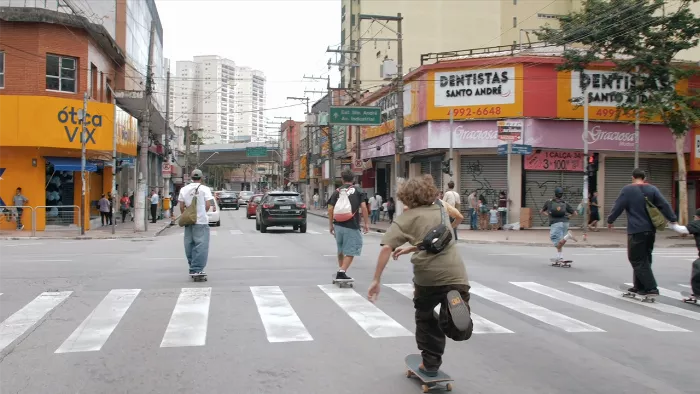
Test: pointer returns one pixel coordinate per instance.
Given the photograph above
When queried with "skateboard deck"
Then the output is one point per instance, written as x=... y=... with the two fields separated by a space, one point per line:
x=199 y=277
x=413 y=362
x=343 y=282
x=689 y=298
x=646 y=298
x=562 y=263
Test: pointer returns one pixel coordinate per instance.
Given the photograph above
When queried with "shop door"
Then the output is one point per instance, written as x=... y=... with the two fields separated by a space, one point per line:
x=618 y=174
x=487 y=175
x=540 y=186
x=433 y=168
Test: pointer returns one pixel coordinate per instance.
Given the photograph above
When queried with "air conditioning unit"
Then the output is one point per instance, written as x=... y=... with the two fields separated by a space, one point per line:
x=388 y=69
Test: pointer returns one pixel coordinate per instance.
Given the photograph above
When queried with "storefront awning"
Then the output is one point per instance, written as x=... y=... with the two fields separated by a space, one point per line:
x=71 y=164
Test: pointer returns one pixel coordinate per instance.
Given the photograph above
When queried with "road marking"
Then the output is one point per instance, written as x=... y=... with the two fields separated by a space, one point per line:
x=164 y=258
x=94 y=331
x=188 y=323
x=598 y=307
x=251 y=257
x=279 y=318
x=330 y=255
x=213 y=232
x=22 y=320
x=375 y=322
x=313 y=232
x=537 y=312
x=236 y=232
x=659 y=307
x=31 y=244
x=47 y=261
x=665 y=292
x=481 y=325
x=687 y=286
x=512 y=254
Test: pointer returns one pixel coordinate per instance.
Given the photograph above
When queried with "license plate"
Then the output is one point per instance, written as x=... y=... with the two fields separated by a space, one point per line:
x=286 y=207
x=228 y=200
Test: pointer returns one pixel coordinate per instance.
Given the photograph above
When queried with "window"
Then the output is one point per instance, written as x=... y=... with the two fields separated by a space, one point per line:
x=2 y=70
x=60 y=73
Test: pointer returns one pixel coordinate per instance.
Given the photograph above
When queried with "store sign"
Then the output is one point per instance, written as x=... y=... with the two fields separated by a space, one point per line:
x=554 y=161
x=510 y=130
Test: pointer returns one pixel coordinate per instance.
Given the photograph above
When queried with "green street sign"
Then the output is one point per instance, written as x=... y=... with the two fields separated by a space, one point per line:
x=356 y=116
x=258 y=151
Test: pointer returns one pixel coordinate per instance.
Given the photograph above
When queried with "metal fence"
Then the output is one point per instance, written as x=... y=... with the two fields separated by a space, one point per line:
x=59 y=218
x=18 y=215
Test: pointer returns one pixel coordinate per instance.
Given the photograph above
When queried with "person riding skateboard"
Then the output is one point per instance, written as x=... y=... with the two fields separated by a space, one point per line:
x=558 y=210
x=438 y=278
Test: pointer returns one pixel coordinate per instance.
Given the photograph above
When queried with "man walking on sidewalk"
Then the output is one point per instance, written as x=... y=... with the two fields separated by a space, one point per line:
x=641 y=233
x=197 y=235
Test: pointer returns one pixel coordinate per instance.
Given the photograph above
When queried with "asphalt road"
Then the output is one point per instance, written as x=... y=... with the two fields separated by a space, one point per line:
x=123 y=316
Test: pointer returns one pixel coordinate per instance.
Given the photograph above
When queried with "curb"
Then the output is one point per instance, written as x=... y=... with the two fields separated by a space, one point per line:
x=89 y=237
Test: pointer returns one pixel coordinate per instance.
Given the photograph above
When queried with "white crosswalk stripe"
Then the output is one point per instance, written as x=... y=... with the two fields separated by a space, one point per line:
x=666 y=292
x=188 y=323
x=236 y=232
x=279 y=318
x=687 y=286
x=313 y=232
x=600 y=308
x=22 y=320
x=481 y=325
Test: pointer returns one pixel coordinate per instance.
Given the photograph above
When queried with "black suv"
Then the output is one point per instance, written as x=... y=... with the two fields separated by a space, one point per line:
x=281 y=209
x=228 y=200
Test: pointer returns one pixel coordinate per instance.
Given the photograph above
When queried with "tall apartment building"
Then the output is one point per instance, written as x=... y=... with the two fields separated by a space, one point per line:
x=441 y=26
x=221 y=99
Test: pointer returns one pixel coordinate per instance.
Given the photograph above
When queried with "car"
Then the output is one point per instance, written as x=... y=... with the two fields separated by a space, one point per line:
x=228 y=199
x=277 y=209
x=252 y=205
x=214 y=216
x=245 y=196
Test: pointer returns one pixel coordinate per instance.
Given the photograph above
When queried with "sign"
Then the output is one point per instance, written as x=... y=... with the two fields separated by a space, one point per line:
x=475 y=93
x=339 y=138
x=510 y=130
x=167 y=170
x=128 y=162
x=516 y=149
x=258 y=151
x=555 y=161
x=356 y=116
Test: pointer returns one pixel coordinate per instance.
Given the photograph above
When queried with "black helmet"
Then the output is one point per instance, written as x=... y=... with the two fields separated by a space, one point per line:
x=558 y=192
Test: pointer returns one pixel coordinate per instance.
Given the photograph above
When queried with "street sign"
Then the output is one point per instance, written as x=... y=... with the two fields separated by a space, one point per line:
x=356 y=116
x=510 y=130
x=516 y=149
x=128 y=162
x=258 y=151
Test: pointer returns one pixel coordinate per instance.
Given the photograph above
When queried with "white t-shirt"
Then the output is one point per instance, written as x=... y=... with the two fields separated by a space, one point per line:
x=451 y=197
x=204 y=194
x=373 y=204
x=154 y=198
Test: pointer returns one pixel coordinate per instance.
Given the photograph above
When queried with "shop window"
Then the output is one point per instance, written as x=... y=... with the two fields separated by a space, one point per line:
x=2 y=70
x=61 y=73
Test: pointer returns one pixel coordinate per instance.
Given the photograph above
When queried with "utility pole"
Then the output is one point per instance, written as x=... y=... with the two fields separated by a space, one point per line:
x=140 y=220
x=187 y=148
x=114 y=159
x=636 y=123
x=585 y=160
x=83 y=148
x=168 y=180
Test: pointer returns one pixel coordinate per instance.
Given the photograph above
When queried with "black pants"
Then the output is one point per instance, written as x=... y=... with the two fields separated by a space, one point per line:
x=154 y=212
x=695 y=278
x=431 y=332
x=639 y=249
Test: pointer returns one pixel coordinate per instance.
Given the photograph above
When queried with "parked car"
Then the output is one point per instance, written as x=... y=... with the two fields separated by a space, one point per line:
x=245 y=196
x=214 y=216
x=277 y=209
x=228 y=199
x=252 y=205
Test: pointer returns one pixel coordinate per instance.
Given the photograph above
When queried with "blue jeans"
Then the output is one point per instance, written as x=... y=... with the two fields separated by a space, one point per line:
x=557 y=232
x=473 y=219
x=197 y=246
x=375 y=216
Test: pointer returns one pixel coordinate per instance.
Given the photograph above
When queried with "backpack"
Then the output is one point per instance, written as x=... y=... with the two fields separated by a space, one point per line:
x=342 y=210
x=439 y=237
x=557 y=209
x=657 y=218
x=189 y=216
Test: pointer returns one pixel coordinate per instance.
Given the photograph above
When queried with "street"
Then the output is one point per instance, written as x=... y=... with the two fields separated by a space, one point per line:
x=108 y=316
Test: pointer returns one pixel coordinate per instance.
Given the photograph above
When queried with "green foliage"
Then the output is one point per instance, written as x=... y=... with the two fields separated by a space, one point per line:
x=641 y=38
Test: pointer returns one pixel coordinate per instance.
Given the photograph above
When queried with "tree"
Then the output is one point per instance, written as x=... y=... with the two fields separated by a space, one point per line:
x=642 y=40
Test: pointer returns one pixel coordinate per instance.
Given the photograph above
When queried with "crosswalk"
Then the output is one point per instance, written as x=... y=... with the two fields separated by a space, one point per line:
x=237 y=232
x=279 y=321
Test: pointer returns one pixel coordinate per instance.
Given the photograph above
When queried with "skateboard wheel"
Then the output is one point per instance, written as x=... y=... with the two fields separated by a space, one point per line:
x=426 y=388
x=449 y=386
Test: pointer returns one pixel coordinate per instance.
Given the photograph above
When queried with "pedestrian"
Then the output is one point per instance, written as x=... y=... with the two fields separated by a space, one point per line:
x=124 y=205
x=315 y=200
x=344 y=216
x=19 y=201
x=439 y=275
x=154 y=206
x=641 y=232
x=693 y=228
x=104 y=209
x=374 y=208
x=473 y=210
x=452 y=198
x=493 y=217
x=390 y=209
x=558 y=210
x=197 y=234
x=595 y=215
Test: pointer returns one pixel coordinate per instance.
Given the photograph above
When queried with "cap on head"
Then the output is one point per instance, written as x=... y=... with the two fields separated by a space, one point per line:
x=196 y=174
x=558 y=191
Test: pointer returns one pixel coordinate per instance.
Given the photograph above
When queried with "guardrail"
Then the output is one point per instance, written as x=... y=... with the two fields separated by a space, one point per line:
x=60 y=218
x=16 y=213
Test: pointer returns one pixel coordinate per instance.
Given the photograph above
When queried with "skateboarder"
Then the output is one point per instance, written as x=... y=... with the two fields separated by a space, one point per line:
x=558 y=210
x=197 y=234
x=693 y=228
x=438 y=278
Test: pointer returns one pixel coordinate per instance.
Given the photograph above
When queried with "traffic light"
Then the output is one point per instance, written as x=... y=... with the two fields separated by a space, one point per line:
x=592 y=166
x=446 y=166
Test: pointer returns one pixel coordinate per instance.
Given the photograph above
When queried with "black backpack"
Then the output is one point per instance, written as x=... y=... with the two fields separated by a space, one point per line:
x=557 y=209
x=439 y=237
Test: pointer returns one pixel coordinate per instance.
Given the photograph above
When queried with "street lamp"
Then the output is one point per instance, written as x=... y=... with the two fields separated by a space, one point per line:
x=215 y=153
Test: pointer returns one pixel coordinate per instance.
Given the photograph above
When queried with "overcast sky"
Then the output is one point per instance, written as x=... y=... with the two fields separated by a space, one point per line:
x=285 y=39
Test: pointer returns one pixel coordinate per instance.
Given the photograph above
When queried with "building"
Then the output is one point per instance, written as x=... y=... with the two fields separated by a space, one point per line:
x=431 y=26
x=53 y=56
x=225 y=101
x=485 y=88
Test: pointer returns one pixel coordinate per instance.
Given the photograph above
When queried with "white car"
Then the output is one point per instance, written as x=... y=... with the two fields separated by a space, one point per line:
x=213 y=216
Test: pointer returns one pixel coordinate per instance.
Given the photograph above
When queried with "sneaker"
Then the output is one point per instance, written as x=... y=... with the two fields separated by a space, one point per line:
x=431 y=373
x=633 y=290
x=649 y=292
x=342 y=276
x=458 y=310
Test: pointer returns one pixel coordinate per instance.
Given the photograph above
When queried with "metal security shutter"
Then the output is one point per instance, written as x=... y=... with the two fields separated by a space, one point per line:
x=539 y=187
x=432 y=168
x=487 y=175
x=618 y=174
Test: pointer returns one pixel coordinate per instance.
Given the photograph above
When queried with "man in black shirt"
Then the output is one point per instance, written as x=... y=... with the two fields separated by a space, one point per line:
x=641 y=232
x=347 y=233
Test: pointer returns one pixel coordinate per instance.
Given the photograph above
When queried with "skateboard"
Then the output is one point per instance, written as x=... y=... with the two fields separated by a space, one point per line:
x=562 y=263
x=689 y=298
x=199 y=277
x=343 y=282
x=646 y=298
x=413 y=362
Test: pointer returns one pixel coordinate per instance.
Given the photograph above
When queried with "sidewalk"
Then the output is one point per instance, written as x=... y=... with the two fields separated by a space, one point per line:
x=604 y=238
x=122 y=231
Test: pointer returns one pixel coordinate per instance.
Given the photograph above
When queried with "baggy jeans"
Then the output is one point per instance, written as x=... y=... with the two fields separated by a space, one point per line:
x=695 y=278
x=639 y=249
x=431 y=331
x=197 y=246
